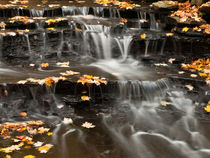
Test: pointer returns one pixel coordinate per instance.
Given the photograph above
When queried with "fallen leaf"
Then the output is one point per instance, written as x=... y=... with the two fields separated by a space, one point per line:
x=143 y=36
x=169 y=34
x=165 y=103
x=38 y=144
x=190 y=87
x=85 y=98
x=63 y=64
x=88 y=125
x=193 y=75
x=45 y=148
x=67 y=121
x=171 y=60
x=44 y=65
x=29 y=156
x=181 y=72
x=160 y=64
x=185 y=29
x=23 y=114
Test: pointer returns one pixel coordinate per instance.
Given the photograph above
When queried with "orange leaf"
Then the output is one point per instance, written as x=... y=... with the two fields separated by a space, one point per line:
x=23 y=114
x=44 y=65
x=143 y=36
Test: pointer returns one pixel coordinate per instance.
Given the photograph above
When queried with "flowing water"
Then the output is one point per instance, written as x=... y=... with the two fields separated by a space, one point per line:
x=130 y=120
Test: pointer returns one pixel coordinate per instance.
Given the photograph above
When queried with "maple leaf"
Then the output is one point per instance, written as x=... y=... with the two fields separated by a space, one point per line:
x=44 y=65
x=143 y=36
x=49 y=133
x=171 y=60
x=207 y=108
x=45 y=148
x=67 y=121
x=29 y=156
x=42 y=130
x=123 y=20
x=63 y=64
x=85 y=98
x=160 y=64
x=88 y=125
x=165 y=103
x=23 y=114
x=193 y=75
x=169 y=34
x=190 y=87
x=8 y=156
x=38 y=144
x=181 y=72
x=49 y=81
x=185 y=29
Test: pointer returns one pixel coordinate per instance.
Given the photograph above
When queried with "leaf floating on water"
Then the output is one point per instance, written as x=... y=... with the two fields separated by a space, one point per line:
x=190 y=87
x=67 y=121
x=85 y=98
x=45 y=148
x=38 y=144
x=171 y=60
x=88 y=125
x=165 y=103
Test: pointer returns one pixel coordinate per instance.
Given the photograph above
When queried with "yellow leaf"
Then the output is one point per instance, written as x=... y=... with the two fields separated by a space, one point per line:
x=85 y=98
x=169 y=34
x=207 y=108
x=44 y=65
x=29 y=156
x=143 y=36
x=165 y=103
x=8 y=156
x=49 y=133
x=49 y=81
x=185 y=29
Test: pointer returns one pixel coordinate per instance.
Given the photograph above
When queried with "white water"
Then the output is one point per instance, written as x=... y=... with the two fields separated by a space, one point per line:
x=147 y=134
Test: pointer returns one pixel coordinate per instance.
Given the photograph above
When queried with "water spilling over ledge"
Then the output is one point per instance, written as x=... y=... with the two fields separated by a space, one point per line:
x=102 y=79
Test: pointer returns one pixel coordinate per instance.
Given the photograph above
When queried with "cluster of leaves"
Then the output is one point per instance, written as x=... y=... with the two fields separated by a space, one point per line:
x=205 y=28
x=123 y=4
x=24 y=19
x=89 y=80
x=52 y=21
x=207 y=4
x=21 y=136
x=48 y=81
x=187 y=12
x=200 y=65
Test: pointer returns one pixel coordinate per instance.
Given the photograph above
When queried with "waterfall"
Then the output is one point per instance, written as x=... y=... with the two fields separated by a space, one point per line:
x=138 y=90
x=146 y=47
